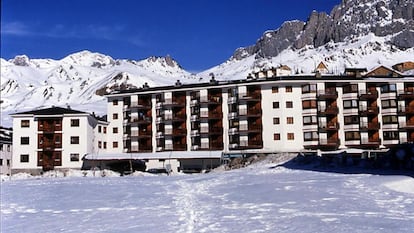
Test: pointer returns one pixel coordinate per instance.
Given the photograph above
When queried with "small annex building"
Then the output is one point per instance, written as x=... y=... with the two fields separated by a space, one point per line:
x=55 y=138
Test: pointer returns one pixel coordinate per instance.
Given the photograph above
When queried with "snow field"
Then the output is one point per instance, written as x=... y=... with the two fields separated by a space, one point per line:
x=253 y=199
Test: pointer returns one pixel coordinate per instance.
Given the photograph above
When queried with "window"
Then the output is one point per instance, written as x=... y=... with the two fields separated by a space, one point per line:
x=114 y=102
x=275 y=89
x=74 y=140
x=74 y=122
x=8 y=162
x=99 y=129
x=307 y=104
x=74 y=157
x=115 y=116
x=24 y=158
x=310 y=120
x=276 y=136
x=309 y=88
x=104 y=145
x=388 y=88
x=310 y=136
x=1 y=162
x=289 y=120
x=115 y=130
x=288 y=89
x=24 y=141
x=350 y=104
x=276 y=120
x=351 y=88
x=99 y=144
x=114 y=144
x=104 y=129
x=291 y=136
x=391 y=135
x=349 y=120
x=352 y=136
x=275 y=104
x=389 y=103
x=289 y=104
x=25 y=124
x=389 y=119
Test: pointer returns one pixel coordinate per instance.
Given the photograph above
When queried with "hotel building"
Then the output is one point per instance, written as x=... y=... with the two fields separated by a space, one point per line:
x=265 y=113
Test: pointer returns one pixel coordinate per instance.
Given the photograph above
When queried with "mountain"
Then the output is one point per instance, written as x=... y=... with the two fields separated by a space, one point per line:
x=357 y=33
x=79 y=79
x=363 y=33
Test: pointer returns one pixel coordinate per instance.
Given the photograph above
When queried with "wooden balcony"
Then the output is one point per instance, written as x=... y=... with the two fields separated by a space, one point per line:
x=329 y=110
x=251 y=96
x=141 y=104
x=179 y=132
x=329 y=144
x=49 y=127
x=330 y=126
x=327 y=94
x=407 y=93
x=211 y=100
x=371 y=143
x=215 y=114
x=402 y=110
x=369 y=126
x=243 y=129
x=407 y=125
x=180 y=147
x=49 y=145
x=370 y=94
x=370 y=110
x=139 y=121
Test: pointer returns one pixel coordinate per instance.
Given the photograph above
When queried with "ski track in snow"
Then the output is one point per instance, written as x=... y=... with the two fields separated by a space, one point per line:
x=245 y=200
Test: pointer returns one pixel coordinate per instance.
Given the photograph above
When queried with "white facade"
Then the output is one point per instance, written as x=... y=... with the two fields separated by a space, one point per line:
x=54 y=138
x=298 y=113
x=5 y=151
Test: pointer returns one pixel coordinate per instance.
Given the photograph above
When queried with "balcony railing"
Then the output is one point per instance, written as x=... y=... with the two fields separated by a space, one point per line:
x=327 y=94
x=406 y=93
x=406 y=110
x=368 y=110
x=330 y=110
x=368 y=94
x=370 y=125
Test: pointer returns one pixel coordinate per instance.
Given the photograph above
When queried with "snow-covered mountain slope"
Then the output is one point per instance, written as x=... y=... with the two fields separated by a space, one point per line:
x=367 y=51
x=74 y=80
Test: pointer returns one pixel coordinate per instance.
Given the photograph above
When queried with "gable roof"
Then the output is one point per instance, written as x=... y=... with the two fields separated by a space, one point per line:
x=383 y=71
x=322 y=65
x=51 y=111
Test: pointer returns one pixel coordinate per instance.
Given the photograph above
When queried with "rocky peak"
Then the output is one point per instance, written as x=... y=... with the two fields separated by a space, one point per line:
x=164 y=61
x=21 y=60
x=348 y=20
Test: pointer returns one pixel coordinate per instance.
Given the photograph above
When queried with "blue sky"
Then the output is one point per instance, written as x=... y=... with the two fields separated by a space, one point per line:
x=199 y=34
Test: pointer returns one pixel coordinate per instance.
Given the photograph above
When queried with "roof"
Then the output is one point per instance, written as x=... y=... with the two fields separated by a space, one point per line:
x=157 y=155
x=220 y=84
x=51 y=111
x=377 y=72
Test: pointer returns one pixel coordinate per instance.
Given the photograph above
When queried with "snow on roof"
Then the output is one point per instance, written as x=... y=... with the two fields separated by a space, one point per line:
x=157 y=155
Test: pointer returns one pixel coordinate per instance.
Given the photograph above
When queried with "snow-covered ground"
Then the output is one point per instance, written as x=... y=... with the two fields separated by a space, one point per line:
x=253 y=199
